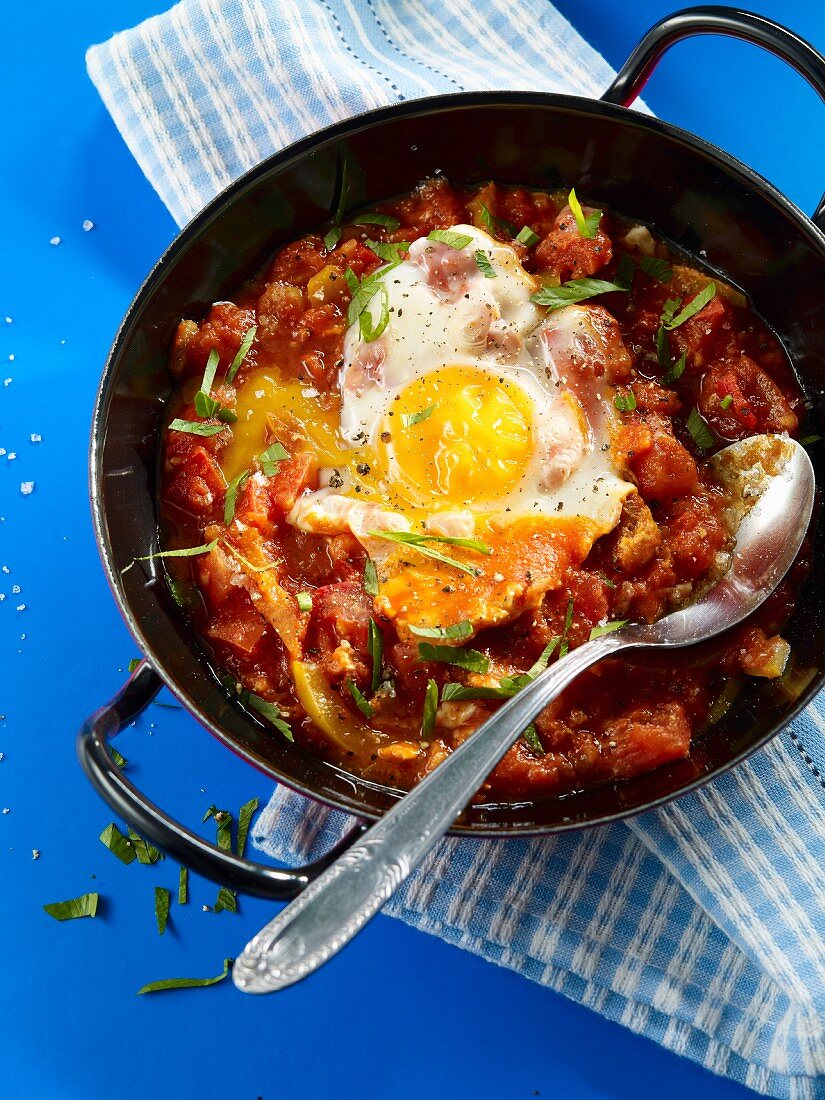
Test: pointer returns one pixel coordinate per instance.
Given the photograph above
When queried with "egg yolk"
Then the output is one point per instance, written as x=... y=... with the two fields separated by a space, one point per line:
x=458 y=436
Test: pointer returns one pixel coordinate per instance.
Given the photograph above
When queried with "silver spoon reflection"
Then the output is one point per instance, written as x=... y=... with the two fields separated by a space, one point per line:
x=769 y=482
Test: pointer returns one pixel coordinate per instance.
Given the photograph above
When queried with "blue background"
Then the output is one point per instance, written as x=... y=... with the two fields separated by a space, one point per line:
x=397 y=1014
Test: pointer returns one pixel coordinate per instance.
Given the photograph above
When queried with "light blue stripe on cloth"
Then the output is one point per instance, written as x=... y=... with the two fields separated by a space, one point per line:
x=700 y=925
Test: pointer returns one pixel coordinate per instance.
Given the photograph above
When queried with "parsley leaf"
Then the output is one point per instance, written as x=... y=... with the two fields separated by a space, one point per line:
x=370 y=217
x=492 y=223
x=194 y=427
x=625 y=402
x=532 y=738
x=484 y=265
x=470 y=659
x=375 y=645
x=388 y=252
x=233 y=488
x=575 y=290
x=691 y=309
x=422 y=548
x=410 y=419
x=568 y=621
x=118 y=844
x=457 y=630
x=370 y=578
x=146 y=853
x=450 y=238
x=223 y=822
x=675 y=371
x=271 y=457
x=185 y=983
x=189 y=552
x=430 y=709
x=527 y=237
x=245 y=815
x=227 y=900
x=84 y=906
x=587 y=225
x=657 y=269
x=241 y=353
x=608 y=628
x=162 y=900
x=332 y=238
x=625 y=272
x=183 y=886
x=271 y=712
x=457 y=692
x=362 y=703
x=699 y=430
x=371 y=330
x=121 y=761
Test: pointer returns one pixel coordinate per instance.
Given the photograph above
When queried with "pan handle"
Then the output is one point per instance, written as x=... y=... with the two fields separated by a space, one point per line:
x=771 y=36
x=187 y=847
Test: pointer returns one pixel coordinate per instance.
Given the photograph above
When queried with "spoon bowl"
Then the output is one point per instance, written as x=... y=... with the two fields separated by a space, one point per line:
x=768 y=485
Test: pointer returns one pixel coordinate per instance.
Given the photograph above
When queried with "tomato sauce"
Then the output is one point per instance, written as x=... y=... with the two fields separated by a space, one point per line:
x=290 y=615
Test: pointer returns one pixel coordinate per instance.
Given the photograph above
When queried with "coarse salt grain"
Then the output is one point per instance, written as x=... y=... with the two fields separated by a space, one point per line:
x=2 y=596
x=2 y=450
x=87 y=225
x=35 y=853
x=21 y=607
x=54 y=241
x=16 y=588
x=8 y=320
x=12 y=456
x=7 y=381
x=26 y=487
x=36 y=437
x=11 y=358
x=6 y=810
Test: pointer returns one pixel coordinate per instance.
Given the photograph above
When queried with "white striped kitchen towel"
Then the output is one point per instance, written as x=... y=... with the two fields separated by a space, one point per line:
x=700 y=925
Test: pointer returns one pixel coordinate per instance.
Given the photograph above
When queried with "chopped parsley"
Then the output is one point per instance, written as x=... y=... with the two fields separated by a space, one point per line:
x=484 y=265
x=118 y=844
x=492 y=223
x=457 y=630
x=205 y=404
x=625 y=271
x=183 y=886
x=233 y=488
x=271 y=457
x=726 y=401
x=84 y=906
x=223 y=821
x=608 y=628
x=146 y=853
x=675 y=371
x=419 y=543
x=241 y=353
x=587 y=225
x=657 y=269
x=375 y=645
x=450 y=238
x=410 y=419
x=575 y=290
x=807 y=440
x=134 y=664
x=469 y=659
x=625 y=402
x=121 y=761
x=189 y=552
x=245 y=815
x=363 y=704
x=389 y=252
x=430 y=709
x=362 y=296
x=531 y=737
x=370 y=578
x=699 y=430
x=162 y=902
x=674 y=320
x=459 y=692
x=332 y=237
x=270 y=711
x=370 y=217
x=194 y=427
x=527 y=237
x=227 y=900
x=568 y=622
x=185 y=983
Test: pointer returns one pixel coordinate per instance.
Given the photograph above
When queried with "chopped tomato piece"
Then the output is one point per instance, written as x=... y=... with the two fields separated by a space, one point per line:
x=565 y=253
x=236 y=623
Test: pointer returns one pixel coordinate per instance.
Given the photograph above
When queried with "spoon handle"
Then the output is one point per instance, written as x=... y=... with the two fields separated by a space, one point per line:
x=329 y=912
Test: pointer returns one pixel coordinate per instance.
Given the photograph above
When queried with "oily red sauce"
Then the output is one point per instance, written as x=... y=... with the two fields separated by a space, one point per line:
x=619 y=719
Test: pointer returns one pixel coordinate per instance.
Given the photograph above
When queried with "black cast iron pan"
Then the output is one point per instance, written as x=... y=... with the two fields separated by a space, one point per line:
x=694 y=194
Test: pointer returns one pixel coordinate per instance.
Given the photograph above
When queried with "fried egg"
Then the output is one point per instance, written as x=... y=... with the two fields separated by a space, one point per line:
x=471 y=414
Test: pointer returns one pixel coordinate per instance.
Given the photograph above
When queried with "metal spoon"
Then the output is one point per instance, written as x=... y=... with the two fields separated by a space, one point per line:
x=770 y=484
